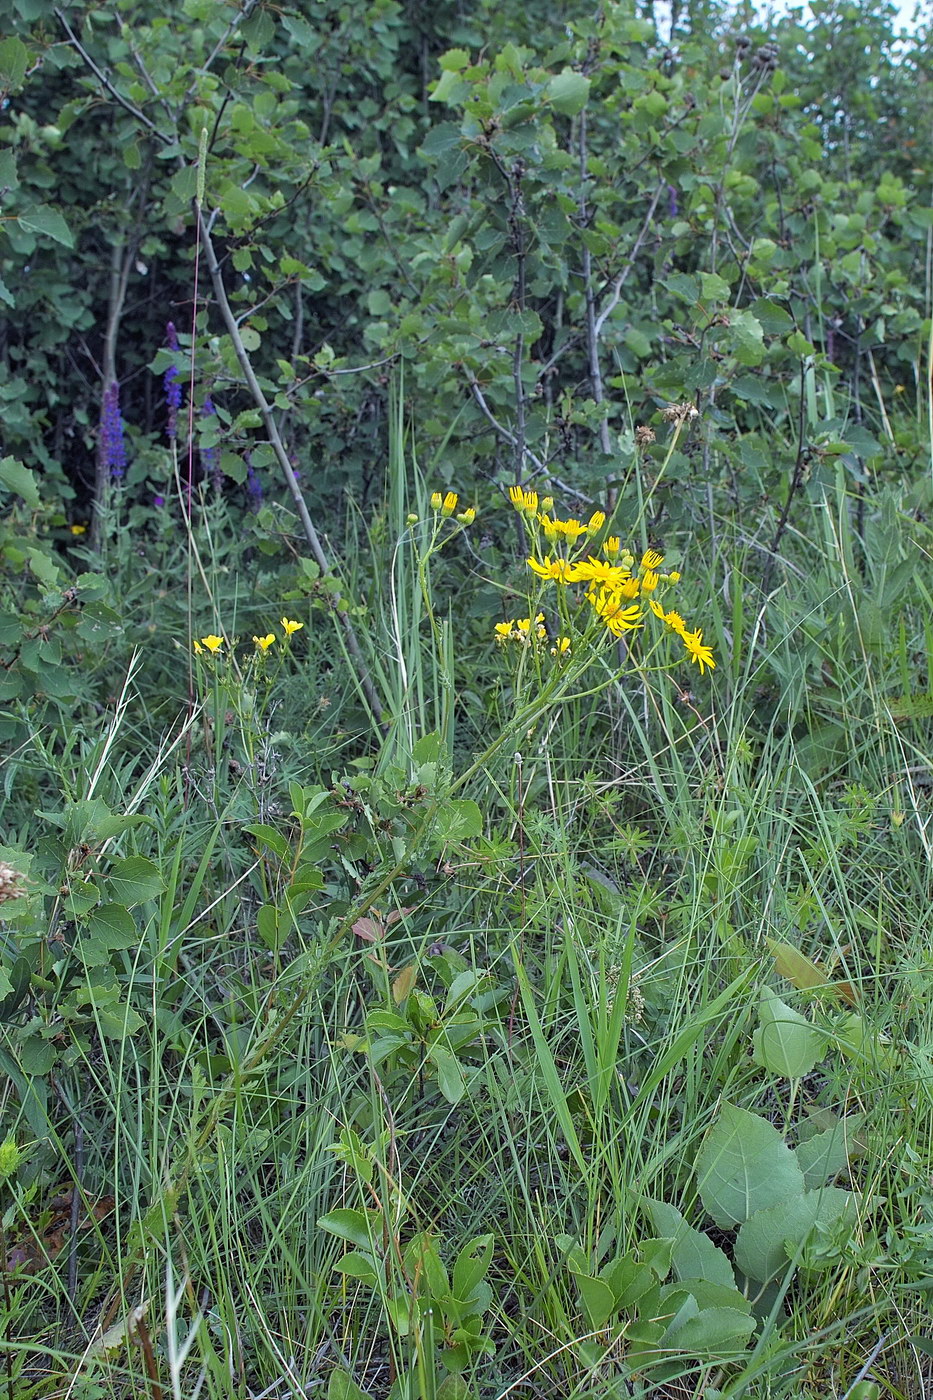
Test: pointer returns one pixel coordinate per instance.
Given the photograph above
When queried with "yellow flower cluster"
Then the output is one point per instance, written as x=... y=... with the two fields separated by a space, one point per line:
x=214 y=644
x=617 y=589
x=447 y=505
x=530 y=632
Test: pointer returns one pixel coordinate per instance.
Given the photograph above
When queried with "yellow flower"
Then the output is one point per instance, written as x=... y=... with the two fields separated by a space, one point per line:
x=466 y=517
x=697 y=649
x=570 y=529
x=450 y=503
x=212 y=643
x=673 y=619
x=524 y=625
x=598 y=571
x=264 y=643
x=549 y=527
x=610 y=606
x=651 y=559
x=557 y=569
x=611 y=546
x=596 y=522
x=547 y=503
x=522 y=500
x=198 y=649
x=561 y=647
x=503 y=631
x=79 y=529
x=437 y=500
x=649 y=581
x=291 y=627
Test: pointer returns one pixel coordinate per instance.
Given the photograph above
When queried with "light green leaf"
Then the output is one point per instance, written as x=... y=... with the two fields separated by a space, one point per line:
x=599 y=1300
x=770 y=1238
x=14 y=60
x=785 y=1042
x=826 y=1154
x=459 y=821
x=356 y=1226
x=569 y=92
x=20 y=480
x=117 y=1020
x=48 y=221
x=694 y=1254
x=342 y=1386
x=449 y=1077
x=715 y=1332
x=134 y=880
x=744 y=1166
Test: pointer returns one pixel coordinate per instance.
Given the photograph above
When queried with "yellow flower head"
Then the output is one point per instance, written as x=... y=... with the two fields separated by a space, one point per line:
x=466 y=517
x=611 y=546
x=649 y=581
x=212 y=643
x=437 y=500
x=264 y=643
x=450 y=503
x=558 y=570
x=549 y=527
x=599 y=571
x=697 y=649
x=547 y=503
x=673 y=576
x=198 y=649
x=596 y=522
x=609 y=605
x=524 y=627
x=522 y=500
x=561 y=647
x=651 y=559
x=503 y=632
x=79 y=529
x=673 y=619
x=291 y=627
x=570 y=529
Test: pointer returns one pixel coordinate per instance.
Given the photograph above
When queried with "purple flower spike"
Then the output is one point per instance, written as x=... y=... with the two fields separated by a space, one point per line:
x=112 y=444
x=171 y=385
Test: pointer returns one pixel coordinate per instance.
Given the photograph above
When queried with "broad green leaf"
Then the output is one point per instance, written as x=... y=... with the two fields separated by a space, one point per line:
x=598 y=1299
x=5 y=294
x=14 y=60
x=342 y=1386
x=785 y=1042
x=357 y=1226
x=694 y=1254
x=826 y=1154
x=20 y=480
x=117 y=1020
x=271 y=838
x=14 y=985
x=459 y=821
x=744 y=1166
x=454 y=1387
x=712 y=1332
x=793 y=965
x=449 y=1076
x=770 y=1238
x=472 y=1264
x=134 y=880
x=109 y=928
x=358 y=1265
x=569 y=92
x=48 y=221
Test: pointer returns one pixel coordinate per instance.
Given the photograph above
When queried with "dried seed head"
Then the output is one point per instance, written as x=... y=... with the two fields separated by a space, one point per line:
x=680 y=412
x=644 y=436
x=12 y=883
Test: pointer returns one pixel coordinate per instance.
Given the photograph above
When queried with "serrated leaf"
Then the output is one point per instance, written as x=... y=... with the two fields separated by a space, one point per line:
x=744 y=1166
x=769 y=1238
x=694 y=1255
x=20 y=480
x=568 y=92
x=134 y=880
x=459 y=821
x=826 y=1154
x=48 y=221
x=117 y=1020
x=441 y=141
x=785 y=1042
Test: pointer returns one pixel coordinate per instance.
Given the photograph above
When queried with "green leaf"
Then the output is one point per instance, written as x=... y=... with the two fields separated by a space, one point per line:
x=441 y=141
x=14 y=986
x=454 y=1387
x=598 y=1299
x=358 y=1265
x=826 y=1154
x=795 y=966
x=785 y=1042
x=14 y=60
x=472 y=1264
x=20 y=480
x=342 y=1386
x=271 y=838
x=459 y=821
x=48 y=221
x=715 y=1332
x=769 y=1239
x=109 y=928
x=117 y=1020
x=134 y=880
x=569 y=92
x=9 y=179
x=744 y=1166
x=449 y=1077
x=356 y=1226
x=694 y=1255
x=5 y=294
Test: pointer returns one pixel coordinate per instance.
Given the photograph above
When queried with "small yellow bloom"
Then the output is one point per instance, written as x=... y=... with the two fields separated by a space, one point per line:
x=450 y=503
x=198 y=649
x=697 y=649
x=264 y=643
x=504 y=631
x=212 y=643
x=547 y=503
x=79 y=529
x=610 y=606
x=673 y=576
x=437 y=500
x=466 y=517
x=611 y=546
x=673 y=619
x=549 y=527
x=524 y=627
x=570 y=529
x=561 y=647
x=650 y=581
x=651 y=559
x=596 y=521
x=291 y=627
x=522 y=500
x=558 y=570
